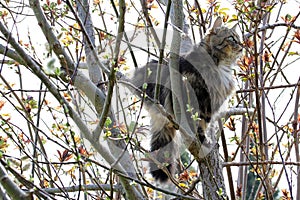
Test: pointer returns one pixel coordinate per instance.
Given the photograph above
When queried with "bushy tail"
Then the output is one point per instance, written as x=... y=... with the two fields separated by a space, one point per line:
x=163 y=148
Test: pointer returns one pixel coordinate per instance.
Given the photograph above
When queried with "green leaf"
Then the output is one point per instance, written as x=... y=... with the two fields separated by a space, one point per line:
x=107 y=134
x=116 y=69
x=57 y=71
x=149 y=72
x=108 y=122
x=291 y=53
x=233 y=139
x=189 y=108
x=220 y=192
x=50 y=64
x=33 y=103
x=145 y=85
x=195 y=116
x=133 y=183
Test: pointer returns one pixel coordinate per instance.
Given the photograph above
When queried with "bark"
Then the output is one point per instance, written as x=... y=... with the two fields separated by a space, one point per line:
x=210 y=166
x=212 y=176
x=11 y=188
x=89 y=40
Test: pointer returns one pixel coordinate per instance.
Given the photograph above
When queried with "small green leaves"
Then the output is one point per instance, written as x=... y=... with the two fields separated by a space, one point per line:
x=149 y=72
x=145 y=85
x=195 y=116
x=52 y=67
x=108 y=122
x=293 y=53
x=189 y=108
x=57 y=71
x=50 y=64
x=107 y=134
x=220 y=192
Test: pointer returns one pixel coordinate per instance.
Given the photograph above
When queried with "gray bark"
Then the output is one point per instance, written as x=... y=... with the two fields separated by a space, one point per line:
x=209 y=165
x=12 y=188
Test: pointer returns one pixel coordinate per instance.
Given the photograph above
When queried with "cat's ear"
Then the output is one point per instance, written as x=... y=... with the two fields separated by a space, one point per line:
x=218 y=23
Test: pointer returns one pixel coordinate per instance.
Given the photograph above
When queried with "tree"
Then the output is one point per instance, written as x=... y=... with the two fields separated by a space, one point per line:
x=71 y=129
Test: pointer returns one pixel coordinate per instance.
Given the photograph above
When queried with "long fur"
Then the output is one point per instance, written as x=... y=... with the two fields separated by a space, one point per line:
x=207 y=82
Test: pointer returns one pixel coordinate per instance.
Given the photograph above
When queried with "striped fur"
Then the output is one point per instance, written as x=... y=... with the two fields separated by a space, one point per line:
x=207 y=82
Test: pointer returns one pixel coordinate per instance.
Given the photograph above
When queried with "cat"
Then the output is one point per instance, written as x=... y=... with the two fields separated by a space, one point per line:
x=206 y=83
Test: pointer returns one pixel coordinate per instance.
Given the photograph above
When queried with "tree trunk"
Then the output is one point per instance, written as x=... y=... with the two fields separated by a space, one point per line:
x=210 y=166
x=212 y=175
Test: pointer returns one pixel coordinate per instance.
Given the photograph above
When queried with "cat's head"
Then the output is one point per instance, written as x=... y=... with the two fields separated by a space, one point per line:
x=223 y=44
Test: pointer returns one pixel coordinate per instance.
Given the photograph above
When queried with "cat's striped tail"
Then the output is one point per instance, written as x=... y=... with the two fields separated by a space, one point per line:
x=163 y=148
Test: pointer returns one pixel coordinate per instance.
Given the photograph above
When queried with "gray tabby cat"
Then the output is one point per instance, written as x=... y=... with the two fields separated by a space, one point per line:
x=207 y=83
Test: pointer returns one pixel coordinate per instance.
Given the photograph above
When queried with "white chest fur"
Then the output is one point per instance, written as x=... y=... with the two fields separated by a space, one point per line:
x=220 y=85
x=218 y=79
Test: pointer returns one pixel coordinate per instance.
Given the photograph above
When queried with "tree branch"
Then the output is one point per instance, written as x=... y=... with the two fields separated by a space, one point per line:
x=68 y=109
x=11 y=188
x=77 y=188
x=271 y=26
x=86 y=25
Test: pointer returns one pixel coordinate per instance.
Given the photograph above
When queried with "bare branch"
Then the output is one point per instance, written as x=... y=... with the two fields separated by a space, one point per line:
x=11 y=188
x=107 y=187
